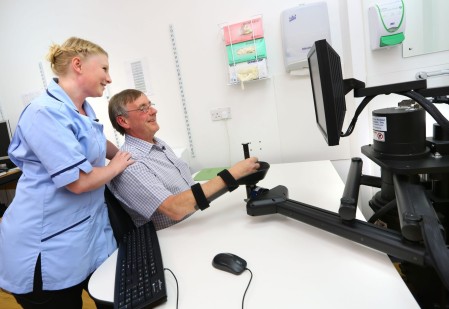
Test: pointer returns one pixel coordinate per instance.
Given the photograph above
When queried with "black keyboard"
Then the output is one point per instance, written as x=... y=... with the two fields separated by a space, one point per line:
x=139 y=278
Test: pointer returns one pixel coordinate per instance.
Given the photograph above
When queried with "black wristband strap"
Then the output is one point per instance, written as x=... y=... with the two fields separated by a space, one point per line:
x=230 y=181
x=200 y=198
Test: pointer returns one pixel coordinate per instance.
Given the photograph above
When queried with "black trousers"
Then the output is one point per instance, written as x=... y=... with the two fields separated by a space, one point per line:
x=69 y=298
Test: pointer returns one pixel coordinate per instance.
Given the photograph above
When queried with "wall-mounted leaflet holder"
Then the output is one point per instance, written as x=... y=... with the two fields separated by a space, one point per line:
x=301 y=26
x=386 y=24
x=245 y=50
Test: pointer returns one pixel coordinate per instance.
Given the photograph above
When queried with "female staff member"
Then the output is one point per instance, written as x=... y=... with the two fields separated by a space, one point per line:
x=56 y=231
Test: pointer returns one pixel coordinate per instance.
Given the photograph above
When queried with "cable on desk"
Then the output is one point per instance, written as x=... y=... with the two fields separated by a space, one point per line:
x=250 y=279
x=177 y=287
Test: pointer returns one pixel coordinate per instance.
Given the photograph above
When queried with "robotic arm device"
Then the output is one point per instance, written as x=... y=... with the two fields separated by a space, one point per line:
x=413 y=201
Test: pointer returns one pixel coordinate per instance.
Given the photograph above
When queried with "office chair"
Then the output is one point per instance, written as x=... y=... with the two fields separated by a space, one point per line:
x=121 y=222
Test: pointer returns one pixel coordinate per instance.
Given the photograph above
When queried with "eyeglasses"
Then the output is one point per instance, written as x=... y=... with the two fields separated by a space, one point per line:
x=143 y=108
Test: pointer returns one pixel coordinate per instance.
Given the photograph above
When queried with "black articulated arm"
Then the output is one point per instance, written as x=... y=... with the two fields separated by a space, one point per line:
x=348 y=206
x=388 y=241
x=420 y=222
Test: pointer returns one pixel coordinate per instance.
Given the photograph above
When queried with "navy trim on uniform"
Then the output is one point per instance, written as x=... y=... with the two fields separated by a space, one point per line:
x=68 y=168
x=49 y=93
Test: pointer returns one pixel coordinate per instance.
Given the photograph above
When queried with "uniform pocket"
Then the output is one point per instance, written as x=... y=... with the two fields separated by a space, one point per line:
x=65 y=229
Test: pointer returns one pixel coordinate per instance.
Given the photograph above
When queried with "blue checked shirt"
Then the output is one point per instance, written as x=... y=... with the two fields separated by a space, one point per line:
x=143 y=186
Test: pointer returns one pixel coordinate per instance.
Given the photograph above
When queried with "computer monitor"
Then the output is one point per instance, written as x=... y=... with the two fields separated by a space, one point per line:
x=328 y=90
x=5 y=140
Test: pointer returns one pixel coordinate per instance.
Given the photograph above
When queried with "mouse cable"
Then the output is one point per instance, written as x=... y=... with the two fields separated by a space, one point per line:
x=177 y=287
x=250 y=279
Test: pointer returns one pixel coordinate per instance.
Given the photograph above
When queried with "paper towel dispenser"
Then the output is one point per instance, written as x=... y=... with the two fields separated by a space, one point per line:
x=301 y=26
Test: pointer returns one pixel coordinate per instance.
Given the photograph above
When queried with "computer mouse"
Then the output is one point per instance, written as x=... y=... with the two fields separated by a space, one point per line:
x=229 y=262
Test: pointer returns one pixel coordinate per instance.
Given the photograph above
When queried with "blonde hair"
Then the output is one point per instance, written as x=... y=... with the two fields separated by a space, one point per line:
x=60 y=56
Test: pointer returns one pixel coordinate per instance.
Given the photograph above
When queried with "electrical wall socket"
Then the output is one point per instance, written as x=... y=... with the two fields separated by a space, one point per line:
x=220 y=113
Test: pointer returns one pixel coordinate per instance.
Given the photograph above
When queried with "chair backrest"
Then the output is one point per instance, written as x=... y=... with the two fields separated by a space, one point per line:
x=121 y=222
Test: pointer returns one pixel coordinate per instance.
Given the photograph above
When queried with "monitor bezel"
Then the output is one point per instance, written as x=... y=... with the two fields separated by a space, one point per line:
x=331 y=81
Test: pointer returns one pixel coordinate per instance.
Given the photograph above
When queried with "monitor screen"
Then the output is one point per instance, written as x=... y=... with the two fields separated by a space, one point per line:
x=328 y=90
x=5 y=140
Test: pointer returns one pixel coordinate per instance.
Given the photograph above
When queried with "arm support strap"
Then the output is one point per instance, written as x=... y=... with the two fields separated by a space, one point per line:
x=200 y=198
x=230 y=181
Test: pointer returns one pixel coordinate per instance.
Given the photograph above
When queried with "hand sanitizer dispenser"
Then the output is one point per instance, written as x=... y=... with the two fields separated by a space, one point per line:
x=386 y=24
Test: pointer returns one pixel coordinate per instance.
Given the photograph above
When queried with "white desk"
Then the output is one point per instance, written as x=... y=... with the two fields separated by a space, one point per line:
x=294 y=265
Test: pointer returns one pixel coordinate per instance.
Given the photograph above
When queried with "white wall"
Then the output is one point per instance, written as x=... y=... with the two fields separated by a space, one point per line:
x=276 y=115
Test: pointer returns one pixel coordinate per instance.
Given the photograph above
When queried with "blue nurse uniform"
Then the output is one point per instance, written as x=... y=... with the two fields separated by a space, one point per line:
x=52 y=143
